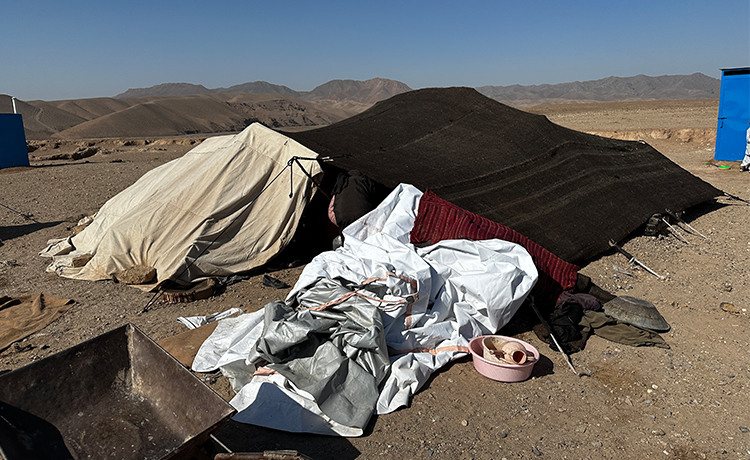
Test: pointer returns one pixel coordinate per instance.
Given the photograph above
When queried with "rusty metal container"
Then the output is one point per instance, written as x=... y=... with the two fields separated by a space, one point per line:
x=118 y=395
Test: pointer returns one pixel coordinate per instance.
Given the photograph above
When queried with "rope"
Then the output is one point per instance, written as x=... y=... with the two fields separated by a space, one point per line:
x=309 y=176
x=735 y=198
x=25 y=216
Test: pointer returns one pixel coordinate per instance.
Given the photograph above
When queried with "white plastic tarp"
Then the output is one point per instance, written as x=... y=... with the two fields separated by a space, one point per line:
x=222 y=208
x=461 y=289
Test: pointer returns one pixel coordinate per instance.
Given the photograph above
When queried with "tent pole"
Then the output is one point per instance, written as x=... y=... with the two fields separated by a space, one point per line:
x=632 y=259
x=296 y=160
x=549 y=330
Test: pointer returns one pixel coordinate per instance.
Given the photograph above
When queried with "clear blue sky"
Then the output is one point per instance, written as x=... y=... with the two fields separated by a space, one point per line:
x=54 y=50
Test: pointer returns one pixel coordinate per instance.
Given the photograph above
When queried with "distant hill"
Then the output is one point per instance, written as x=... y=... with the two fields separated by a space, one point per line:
x=166 y=90
x=259 y=87
x=171 y=115
x=610 y=89
x=364 y=92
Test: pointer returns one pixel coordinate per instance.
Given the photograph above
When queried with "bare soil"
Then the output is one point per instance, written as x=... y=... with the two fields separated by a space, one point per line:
x=687 y=402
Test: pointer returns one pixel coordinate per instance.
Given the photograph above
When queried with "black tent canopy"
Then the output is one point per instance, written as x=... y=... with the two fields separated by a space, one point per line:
x=569 y=191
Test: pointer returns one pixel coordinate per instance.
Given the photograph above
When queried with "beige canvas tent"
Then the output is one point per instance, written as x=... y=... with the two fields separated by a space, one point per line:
x=222 y=208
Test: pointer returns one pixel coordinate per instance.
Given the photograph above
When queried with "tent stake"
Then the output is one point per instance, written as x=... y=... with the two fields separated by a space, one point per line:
x=674 y=230
x=680 y=220
x=632 y=259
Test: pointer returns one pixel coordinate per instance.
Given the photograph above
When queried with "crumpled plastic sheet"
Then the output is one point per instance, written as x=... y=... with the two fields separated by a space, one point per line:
x=192 y=322
x=432 y=301
x=338 y=356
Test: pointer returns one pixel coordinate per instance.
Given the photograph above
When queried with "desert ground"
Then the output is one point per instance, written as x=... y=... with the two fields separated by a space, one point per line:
x=690 y=401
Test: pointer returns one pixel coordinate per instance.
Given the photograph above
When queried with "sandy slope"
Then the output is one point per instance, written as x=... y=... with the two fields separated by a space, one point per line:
x=690 y=401
x=172 y=116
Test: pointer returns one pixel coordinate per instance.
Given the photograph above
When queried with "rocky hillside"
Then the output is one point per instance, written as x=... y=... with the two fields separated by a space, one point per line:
x=171 y=115
x=611 y=89
x=189 y=89
x=364 y=92
x=166 y=90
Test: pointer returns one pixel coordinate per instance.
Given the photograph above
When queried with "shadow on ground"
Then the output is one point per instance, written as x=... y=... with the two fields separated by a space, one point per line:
x=14 y=231
x=241 y=437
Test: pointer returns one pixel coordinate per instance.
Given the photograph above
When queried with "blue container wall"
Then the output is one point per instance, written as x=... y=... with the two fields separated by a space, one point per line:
x=734 y=115
x=12 y=141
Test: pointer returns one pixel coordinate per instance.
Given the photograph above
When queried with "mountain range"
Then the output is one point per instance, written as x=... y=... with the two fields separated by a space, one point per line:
x=365 y=92
x=639 y=87
x=173 y=109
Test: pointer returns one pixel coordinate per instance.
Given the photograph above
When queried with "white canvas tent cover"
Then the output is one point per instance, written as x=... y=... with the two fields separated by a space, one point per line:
x=419 y=307
x=222 y=208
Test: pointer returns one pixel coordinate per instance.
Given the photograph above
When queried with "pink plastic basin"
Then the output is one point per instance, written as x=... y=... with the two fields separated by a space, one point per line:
x=499 y=371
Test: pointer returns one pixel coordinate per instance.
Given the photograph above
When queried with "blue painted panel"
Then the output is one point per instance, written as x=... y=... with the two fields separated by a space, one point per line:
x=12 y=141
x=734 y=114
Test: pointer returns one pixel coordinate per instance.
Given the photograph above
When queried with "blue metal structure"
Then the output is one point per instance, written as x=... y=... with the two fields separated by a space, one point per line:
x=13 y=150
x=734 y=114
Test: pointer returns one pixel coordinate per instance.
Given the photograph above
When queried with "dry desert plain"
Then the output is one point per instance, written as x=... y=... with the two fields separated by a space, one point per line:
x=691 y=401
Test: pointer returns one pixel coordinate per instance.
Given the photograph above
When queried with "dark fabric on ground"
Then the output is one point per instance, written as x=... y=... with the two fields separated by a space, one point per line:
x=609 y=328
x=568 y=347
x=564 y=322
x=598 y=323
x=566 y=317
x=439 y=220
x=568 y=191
x=584 y=285
x=586 y=301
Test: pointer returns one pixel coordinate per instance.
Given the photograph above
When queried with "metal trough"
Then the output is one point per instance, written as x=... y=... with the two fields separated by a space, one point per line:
x=118 y=395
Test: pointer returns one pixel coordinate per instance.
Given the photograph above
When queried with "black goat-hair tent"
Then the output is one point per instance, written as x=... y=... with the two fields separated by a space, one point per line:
x=569 y=191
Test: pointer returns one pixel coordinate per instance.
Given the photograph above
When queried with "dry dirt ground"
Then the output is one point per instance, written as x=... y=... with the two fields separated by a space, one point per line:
x=688 y=402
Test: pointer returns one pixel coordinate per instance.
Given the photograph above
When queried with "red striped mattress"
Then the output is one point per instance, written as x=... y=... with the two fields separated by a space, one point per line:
x=439 y=220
